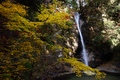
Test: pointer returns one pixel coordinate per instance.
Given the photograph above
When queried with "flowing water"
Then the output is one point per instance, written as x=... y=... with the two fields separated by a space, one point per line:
x=84 y=52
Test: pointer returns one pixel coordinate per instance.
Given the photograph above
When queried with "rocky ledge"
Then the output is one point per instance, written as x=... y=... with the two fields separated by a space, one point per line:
x=110 y=67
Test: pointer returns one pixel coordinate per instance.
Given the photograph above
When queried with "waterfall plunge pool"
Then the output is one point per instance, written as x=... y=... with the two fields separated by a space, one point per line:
x=83 y=77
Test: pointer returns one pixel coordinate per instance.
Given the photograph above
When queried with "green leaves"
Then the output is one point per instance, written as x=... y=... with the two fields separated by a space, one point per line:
x=28 y=65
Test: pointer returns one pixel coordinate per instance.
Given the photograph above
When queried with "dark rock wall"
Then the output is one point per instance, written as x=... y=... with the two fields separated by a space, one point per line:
x=91 y=30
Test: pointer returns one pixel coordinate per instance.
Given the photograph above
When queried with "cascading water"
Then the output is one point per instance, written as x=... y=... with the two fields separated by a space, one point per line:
x=84 y=52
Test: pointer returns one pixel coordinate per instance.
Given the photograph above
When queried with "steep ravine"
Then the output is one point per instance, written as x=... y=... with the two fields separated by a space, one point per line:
x=101 y=56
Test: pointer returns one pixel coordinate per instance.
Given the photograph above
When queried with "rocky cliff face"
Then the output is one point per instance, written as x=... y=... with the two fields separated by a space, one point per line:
x=100 y=53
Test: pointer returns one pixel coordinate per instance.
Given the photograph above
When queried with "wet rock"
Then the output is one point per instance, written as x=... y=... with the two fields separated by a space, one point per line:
x=94 y=61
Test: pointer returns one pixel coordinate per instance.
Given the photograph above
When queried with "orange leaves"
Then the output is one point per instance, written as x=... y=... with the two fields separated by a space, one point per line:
x=3 y=36
x=39 y=30
x=67 y=17
x=75 y=25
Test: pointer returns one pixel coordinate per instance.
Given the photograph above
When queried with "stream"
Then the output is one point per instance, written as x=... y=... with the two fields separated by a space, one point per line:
x=74 y=77
x=79 y=25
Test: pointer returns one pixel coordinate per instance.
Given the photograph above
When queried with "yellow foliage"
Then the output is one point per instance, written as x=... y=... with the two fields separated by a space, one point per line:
x=31 y=39
x=9 y=8
x=79 y=68
x=53 y=16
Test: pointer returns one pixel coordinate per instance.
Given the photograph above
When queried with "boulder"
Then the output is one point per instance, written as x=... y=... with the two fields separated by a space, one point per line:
x=110 y=67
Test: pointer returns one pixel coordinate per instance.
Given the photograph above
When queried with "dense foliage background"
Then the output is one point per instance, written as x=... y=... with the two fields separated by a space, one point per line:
x=34 y=33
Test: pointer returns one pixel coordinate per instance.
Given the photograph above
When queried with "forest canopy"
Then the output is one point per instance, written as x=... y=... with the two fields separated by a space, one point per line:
x=33 y=31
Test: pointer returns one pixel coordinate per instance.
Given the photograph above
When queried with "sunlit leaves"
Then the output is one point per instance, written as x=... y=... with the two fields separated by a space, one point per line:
x=31 y=41
x=12 y=8
x=26 y=42
x=79 y=68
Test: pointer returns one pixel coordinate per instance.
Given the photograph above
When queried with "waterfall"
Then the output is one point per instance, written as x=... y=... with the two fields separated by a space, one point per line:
x=84 y=52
